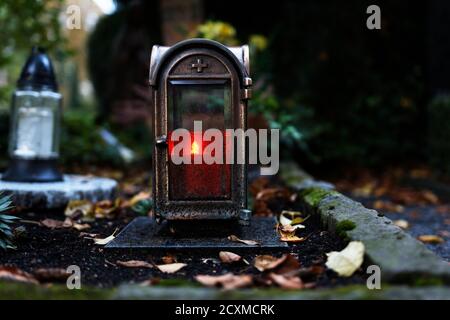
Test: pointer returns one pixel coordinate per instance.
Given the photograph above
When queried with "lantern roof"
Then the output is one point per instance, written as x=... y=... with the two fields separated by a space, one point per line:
x=239 y=56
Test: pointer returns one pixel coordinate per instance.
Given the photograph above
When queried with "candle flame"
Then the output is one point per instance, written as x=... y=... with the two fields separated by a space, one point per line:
x=195 y=148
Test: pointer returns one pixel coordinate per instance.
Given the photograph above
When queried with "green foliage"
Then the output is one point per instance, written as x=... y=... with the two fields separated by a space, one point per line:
x=313 y=196
x=143 y=207
x=25 y=24
x=344 y=226
x=81 y=142
x=6 y=232
x=439 y=133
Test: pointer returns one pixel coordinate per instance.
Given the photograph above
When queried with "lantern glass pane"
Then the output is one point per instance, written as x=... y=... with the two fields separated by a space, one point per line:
x=35 y=125
x=208 y=101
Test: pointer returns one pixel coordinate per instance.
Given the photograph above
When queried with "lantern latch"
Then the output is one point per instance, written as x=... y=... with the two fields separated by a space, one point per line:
x=161 y=141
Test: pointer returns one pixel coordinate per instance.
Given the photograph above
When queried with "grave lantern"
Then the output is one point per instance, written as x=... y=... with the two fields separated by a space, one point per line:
x=35 y=123
x=203 y=81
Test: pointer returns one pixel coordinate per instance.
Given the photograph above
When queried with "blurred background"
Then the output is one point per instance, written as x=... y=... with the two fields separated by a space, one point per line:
x=345 y=98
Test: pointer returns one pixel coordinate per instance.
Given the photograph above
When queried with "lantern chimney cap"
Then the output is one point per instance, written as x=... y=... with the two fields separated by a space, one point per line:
x=37 y=73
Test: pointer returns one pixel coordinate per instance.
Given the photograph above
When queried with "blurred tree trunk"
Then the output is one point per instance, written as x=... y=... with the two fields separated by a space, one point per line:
x=179 y=18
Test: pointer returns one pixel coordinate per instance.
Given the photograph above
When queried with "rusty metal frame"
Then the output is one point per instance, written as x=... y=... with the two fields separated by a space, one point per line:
x=204 y=209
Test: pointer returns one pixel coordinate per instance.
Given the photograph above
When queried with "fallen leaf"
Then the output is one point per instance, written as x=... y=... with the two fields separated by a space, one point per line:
x=290 y=229
x=291 y=218
x=105 y=240
x=83 y=208
x=80 y=227
x=247 y=242
x=431 y=238
x=347 y=261
x=289 y=235
x=52 y=223
x=401 y=223
x=270 y=193
x=168 y=259
x=266 y=262
x=88 y=235
x=51 y=274
x=134 y=264
x=444 y=233
x=227 y=281
x=15 y=274
x=289 y=267
x=138 y=197
x=105 y=208
x=388 y=206
x=430 y=197
x=285 y=282
x=311 y=271
x=229 y=257
x=171 y=267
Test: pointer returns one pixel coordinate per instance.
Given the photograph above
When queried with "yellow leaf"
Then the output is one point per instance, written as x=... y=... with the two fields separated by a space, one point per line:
x=347 y=261
x=431 y=238
x=401 y=223
x=84 y=207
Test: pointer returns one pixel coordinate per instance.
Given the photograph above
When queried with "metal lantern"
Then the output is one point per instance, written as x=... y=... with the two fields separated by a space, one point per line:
x=199 y=80
x=35 y=123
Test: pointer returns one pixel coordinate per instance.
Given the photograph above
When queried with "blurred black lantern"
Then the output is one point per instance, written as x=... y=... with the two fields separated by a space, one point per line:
x=35 y=123
x=199 y=80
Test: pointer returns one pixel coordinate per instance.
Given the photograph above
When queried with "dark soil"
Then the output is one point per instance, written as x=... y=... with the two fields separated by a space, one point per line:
x=40 y=247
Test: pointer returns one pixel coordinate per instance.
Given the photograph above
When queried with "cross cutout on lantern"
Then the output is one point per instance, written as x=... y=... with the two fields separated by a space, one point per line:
x=199 y=65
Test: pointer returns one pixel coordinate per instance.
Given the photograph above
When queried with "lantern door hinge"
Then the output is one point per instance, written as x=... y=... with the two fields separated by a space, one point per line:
x=247 y=91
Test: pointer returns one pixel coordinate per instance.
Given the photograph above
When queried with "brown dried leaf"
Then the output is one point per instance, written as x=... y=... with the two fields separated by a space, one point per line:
x=15 y=274
x=247 y=242
x=169 y=259
x=285 y=282
x=51 y=274
x=289 y=266
x=431 y=238
x=227 y=281
x=430 y=197
x=171 y=267
x=52 y=223
x=290 y=237
x=266 y=262
x=105 y=208
x=229 y=257
x=388 y=206
x=134 y=264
